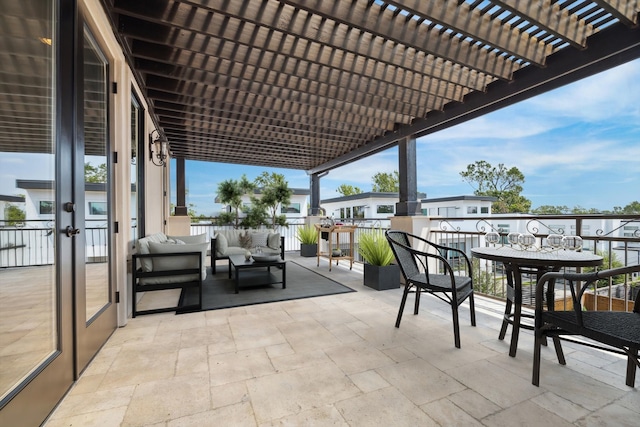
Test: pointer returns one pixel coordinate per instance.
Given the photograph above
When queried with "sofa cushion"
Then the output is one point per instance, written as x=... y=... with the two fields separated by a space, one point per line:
x=143 y=248
x=259 y=239
x=198 y=238
x=222 y=244
x=273 y=240
x=178 y=262
x=230 y=238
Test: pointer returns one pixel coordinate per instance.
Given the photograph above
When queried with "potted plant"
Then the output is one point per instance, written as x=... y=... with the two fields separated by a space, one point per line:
x=308 y=237
x=380 y=272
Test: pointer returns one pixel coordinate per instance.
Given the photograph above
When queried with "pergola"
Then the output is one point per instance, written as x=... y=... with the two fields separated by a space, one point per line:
x=316 y=84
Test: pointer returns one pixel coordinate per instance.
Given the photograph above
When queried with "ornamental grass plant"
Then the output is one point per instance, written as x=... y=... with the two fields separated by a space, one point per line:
x=374 y=248
x=307 y=235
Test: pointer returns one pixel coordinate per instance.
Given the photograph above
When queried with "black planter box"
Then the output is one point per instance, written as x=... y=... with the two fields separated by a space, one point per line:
x=308 y=250
x=382 y=278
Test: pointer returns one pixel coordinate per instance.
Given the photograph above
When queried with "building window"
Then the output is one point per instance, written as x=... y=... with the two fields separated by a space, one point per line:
x=46 y=208
x=358 y=212
x=384 y=209
x=292 y=208
x=447 y=212
x=472 y=209
x=97 y=208
x=345 y=212
x=503 y=229
x=484 y=209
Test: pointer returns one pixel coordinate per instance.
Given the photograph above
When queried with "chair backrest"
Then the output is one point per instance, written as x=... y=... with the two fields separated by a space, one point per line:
x=401 y=247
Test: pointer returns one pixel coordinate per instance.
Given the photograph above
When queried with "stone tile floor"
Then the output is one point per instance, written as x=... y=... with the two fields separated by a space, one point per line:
x=339 y=361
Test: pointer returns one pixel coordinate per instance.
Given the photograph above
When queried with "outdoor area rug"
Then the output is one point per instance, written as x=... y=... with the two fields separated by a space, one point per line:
x=219 y=291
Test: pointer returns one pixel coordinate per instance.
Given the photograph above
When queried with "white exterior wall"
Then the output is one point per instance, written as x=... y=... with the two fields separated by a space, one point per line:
x=370 y=204
x=302 y=199
x=457 y=208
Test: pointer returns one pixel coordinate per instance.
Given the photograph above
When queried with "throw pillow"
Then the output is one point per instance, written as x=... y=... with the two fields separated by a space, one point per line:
x=259 y=239
x=273 y=241
x=143 y=249
x=222 y=244
x=246 y=241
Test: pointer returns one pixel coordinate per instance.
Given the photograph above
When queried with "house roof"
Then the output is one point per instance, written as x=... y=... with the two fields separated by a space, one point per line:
x=11 y=199
x=37 y=184
x=312 y=85
x=460 y=198
x=367 y=195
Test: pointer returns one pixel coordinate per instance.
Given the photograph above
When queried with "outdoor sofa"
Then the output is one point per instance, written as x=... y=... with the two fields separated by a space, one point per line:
x=238 y=242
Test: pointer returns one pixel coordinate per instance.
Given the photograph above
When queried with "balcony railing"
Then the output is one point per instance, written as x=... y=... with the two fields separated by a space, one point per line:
x=616 y=238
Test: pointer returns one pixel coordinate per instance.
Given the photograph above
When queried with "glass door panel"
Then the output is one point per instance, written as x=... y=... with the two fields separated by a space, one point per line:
x=28 y=333
x=96 y=177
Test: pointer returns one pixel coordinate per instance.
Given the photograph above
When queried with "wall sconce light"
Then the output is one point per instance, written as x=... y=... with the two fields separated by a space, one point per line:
x=158 y=148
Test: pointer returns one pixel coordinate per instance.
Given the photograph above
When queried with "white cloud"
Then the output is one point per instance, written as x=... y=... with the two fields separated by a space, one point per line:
x=610 y=94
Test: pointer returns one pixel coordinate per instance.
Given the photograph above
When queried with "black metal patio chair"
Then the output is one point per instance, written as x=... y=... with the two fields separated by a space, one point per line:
x=421 y=274
x=615 y=331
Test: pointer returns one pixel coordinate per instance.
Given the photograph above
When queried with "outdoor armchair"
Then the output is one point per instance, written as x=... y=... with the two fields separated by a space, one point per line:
x=617 y=331
x=421 y=274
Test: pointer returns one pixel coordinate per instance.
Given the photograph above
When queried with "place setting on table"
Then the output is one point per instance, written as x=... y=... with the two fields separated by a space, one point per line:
x=520 y=255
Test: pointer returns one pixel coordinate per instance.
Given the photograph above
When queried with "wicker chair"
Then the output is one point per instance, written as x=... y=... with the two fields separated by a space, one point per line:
x=417 y=269
x=619 y=331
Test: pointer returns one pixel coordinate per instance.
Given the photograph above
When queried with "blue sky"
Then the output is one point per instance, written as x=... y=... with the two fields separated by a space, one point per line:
x=576 y=146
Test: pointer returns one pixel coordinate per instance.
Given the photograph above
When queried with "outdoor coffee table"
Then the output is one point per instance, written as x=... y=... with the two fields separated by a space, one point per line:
x=238 y=263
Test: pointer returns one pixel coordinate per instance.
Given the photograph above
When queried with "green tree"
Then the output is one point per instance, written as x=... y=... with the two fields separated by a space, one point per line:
x=500 y=182
x=386 y=182
x=579 y=210
x=607 y=263
x=274 y=193
x=14 y=215
x=348 y=190
x=95 y=174
x=550 y=210
x=255 y=216
x=231 y=191
x=631 y=208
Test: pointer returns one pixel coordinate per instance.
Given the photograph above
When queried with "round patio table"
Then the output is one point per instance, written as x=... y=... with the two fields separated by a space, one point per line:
x=536 y=261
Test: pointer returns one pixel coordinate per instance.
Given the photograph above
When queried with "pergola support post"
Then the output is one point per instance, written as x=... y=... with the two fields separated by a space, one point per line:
x=314 y=198
x=408 y=204
x=181 y=199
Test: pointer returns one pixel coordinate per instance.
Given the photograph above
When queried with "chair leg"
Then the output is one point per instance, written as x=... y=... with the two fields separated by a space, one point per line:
x=558 y=347
x=472 y=308
x=404 y=300
x=134 y=297
x=537 y=344
x=456 y=325
x=417 y=304
x=505 y=322
x=515 y=330
x=632 y=364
